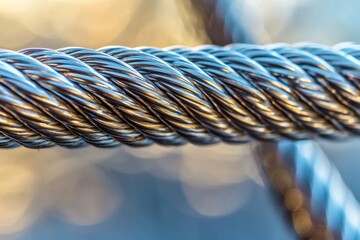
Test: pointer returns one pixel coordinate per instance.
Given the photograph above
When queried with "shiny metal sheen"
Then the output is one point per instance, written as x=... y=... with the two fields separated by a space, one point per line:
x=73 y=97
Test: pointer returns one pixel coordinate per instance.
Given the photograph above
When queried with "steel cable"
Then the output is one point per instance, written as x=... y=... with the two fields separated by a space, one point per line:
x=72 y=97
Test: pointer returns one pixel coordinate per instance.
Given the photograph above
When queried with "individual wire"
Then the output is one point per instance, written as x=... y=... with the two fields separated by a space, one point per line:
x=72 y=97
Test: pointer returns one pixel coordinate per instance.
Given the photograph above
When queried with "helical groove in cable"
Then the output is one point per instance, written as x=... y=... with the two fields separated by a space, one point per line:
x=75 y=96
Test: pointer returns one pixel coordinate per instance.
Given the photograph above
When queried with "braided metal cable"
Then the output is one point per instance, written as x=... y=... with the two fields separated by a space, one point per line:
x=137 y=96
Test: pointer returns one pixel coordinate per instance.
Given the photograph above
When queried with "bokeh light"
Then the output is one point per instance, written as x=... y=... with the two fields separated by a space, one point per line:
x=80 y=193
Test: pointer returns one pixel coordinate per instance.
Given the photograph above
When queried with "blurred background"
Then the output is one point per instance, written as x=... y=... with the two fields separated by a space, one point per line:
x=216 y=192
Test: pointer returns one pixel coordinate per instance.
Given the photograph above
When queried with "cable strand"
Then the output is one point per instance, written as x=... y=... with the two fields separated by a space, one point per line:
x=72 y=97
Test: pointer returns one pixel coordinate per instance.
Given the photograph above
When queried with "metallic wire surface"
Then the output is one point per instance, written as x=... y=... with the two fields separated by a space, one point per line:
x=137 y=96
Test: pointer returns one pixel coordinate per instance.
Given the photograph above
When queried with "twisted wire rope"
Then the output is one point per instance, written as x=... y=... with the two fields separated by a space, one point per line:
x=76 y=96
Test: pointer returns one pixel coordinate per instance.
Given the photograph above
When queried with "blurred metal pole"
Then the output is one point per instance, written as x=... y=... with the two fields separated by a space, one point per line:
x=320 y=204
x=223 y=24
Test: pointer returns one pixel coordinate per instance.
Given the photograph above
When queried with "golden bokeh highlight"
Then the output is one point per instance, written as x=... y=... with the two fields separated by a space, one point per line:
x=223 y=164
x=80 y=193
x=96 y=23
x=302 y=222
x=293 y=199
x=17 y=192
x=281 y=179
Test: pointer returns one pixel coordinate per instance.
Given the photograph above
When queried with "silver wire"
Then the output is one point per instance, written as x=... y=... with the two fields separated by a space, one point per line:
x=72 y=97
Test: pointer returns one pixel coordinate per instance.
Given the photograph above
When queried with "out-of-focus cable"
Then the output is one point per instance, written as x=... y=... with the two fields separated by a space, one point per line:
x=223 y=23
x=321 y=205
